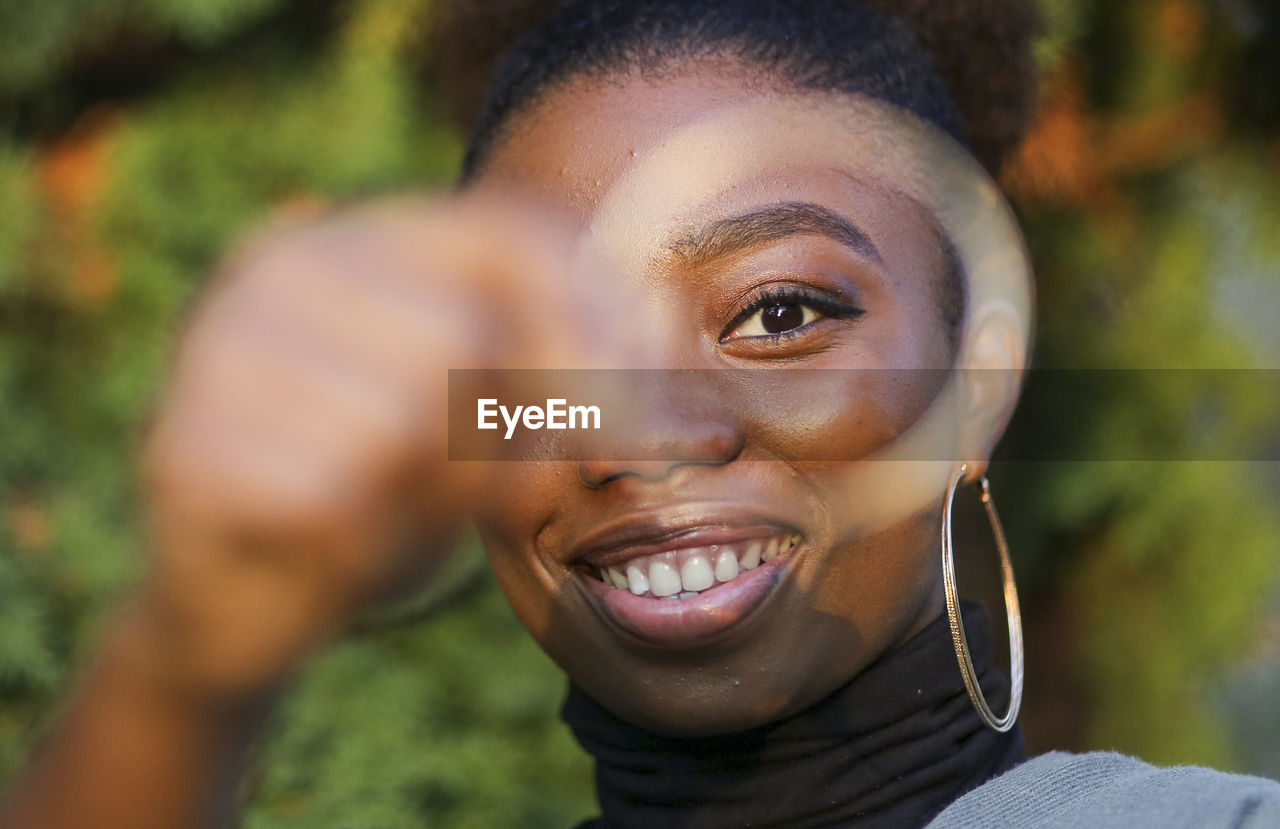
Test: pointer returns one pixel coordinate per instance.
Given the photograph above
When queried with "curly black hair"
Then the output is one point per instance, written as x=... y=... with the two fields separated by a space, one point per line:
x=966 y=65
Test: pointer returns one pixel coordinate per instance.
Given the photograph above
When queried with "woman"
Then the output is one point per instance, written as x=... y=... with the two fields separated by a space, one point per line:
x=744 y=583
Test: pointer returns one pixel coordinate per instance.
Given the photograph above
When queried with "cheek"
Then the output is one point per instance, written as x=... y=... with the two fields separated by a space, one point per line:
x=876 y=566
x=517 y=581
x=523 y=499
x=845 y=414
x=886 y=575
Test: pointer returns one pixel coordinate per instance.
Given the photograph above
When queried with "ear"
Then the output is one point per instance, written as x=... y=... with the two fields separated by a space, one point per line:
x=992 y=363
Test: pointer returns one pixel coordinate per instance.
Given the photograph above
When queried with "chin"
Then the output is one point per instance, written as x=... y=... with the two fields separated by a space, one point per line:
x=706 y=693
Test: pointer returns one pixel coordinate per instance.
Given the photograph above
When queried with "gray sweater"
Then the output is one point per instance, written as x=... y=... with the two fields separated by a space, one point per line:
x=1103 y=790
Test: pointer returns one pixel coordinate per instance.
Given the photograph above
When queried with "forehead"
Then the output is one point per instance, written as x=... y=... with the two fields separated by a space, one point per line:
x=643 y=160
x=639 y=149
x=576 y=139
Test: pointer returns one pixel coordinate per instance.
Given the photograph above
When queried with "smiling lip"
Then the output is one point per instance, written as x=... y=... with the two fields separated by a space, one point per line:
x=688 y=618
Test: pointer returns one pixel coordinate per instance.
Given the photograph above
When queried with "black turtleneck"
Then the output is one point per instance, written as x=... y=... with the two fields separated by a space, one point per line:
x=890 y=749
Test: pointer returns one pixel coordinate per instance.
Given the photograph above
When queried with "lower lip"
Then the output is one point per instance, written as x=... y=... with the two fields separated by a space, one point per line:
x=692 y=621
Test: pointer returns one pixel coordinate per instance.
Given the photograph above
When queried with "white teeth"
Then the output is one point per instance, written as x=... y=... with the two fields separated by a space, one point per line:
x=685 y=573
x=637 y=580
x=726 y=566
x=695 y=573
x=663 y=579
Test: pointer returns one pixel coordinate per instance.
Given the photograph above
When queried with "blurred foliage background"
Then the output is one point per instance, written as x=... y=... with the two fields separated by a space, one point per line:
x=138 y=138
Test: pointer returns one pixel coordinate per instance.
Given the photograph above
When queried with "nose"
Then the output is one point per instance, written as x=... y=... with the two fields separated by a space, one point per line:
x=681 y=419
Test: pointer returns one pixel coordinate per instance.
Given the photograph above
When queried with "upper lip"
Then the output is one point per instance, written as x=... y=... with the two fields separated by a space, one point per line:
x=686 y=526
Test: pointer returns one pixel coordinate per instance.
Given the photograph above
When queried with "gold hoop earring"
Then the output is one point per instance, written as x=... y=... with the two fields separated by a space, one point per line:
x=958 y=638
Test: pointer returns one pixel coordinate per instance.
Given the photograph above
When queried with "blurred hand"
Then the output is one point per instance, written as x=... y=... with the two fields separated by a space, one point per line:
x=297 y=469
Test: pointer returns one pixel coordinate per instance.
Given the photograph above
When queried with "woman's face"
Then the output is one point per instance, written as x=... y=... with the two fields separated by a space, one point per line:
x=788 y=264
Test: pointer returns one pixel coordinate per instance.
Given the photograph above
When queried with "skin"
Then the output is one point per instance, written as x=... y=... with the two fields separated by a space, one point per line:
x=297 y=472
x=853 y=595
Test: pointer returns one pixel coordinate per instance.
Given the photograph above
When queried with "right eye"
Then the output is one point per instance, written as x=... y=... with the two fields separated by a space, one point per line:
x=774 y=320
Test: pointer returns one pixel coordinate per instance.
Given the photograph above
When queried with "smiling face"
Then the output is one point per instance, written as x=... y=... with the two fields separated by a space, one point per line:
x=780 y=587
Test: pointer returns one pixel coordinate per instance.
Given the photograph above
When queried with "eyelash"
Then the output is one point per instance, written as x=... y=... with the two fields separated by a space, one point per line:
x=827 y=305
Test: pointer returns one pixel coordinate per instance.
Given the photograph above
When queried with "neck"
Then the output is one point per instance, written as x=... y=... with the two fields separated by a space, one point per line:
x=891 y=748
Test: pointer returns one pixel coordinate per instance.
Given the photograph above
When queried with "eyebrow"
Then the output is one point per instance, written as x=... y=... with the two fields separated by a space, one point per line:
x=759 y=227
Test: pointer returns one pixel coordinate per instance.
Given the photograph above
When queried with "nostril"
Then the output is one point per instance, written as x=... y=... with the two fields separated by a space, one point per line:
x=592 y=475
x=596 y=474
